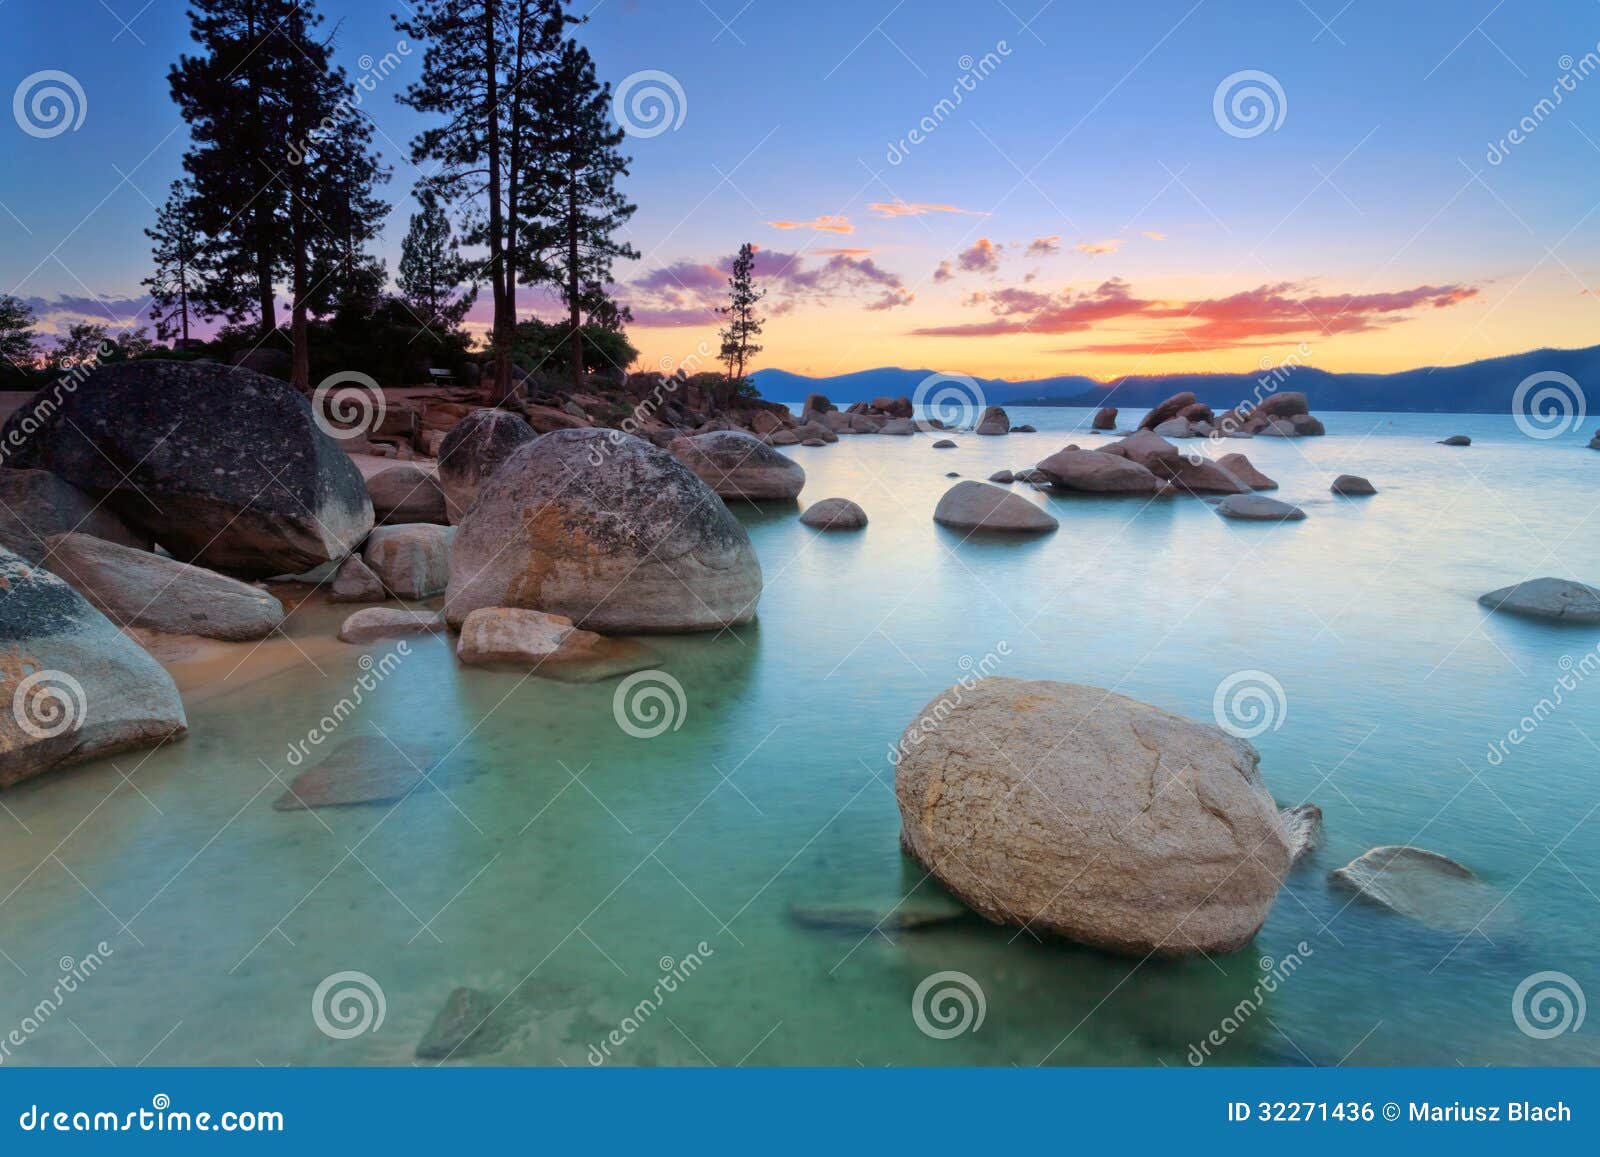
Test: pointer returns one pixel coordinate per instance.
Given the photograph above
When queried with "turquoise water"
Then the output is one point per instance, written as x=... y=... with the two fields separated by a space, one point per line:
x=557 y=859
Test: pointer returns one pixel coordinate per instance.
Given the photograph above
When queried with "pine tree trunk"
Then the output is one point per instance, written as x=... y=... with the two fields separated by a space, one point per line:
x=300 y=359
x=574 y=281
x=499 y=384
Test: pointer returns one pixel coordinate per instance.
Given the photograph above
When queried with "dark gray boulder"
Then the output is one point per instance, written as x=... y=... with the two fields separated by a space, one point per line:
x=1547 y=598
x=472 y=451
x=223 y=467
x=738 y=465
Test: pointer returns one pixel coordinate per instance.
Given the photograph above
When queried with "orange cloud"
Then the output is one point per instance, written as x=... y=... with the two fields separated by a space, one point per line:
x=899 y=208
x=1155 y=236
x=823 y=224
x=1096 y=248
x=1241 y=319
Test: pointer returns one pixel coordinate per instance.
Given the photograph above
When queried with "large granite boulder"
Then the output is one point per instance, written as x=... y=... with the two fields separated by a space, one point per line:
x=1244 y=470
x=1075 y=811
x=1092 y=472
x=76 y=687
x=979 y=506
x=1167 y=410
x=224 y=468
x=35 y=504
x=406 y=494
x=993 y=421
x=473 y=451
x=139 y=588
x=372 y=624
x=608 y=530
x=412 y=561
x=1105 y=418
x=1561 y=600
x=738 y=465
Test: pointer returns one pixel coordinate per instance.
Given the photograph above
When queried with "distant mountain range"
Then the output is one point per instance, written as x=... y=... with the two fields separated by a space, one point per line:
x=1483 y=387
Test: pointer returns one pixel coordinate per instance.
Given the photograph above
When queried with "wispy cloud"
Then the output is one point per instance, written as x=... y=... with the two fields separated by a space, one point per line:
x=687 y=293
x=823 y=224
x=899 y=208
x=1099 y=248
x=1045 y=246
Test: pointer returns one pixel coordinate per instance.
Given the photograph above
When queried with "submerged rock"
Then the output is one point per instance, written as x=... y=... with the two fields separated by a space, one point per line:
x=1255 y=508
x=361 y=770
x=641 y=546
x=1352 y=484
x=467 y=1026
x=138 y=588
x=1456 y=440
x=1003 y=477
x=1547 y=598
x=472 y=451
x=738 y=465
x=374 y=623
x=980 y=506
x=403 y=494
x=78 y=687
x=1081 y=813
x=223 y=467
x=1429 y=888
x=944 y=444
x=511 y=635
x=1303 y=826
x=35 y=504
x=926 y=908
x=834 y=514
x=412 y=561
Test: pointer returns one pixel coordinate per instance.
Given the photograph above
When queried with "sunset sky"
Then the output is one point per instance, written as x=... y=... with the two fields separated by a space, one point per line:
x=1082 y=209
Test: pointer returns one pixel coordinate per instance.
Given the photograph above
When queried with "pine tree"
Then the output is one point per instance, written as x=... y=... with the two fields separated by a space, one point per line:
x=177 y=294
x=738 y=344
x=18 y=345
x=84 y=342
x=480 y=64
x=432 y=269
x=581 y=208
x=281 y=163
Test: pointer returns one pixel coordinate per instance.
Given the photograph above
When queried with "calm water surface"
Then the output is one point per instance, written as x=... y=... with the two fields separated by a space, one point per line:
x=562 y=864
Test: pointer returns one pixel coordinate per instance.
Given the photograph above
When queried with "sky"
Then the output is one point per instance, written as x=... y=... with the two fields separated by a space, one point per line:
x=1005 y=188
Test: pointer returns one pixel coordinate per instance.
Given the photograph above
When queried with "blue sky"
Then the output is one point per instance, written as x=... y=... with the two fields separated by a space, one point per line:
x=1095 y=127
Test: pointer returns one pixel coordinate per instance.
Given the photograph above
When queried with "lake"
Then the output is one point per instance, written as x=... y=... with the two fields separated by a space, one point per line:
x=562 y=866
